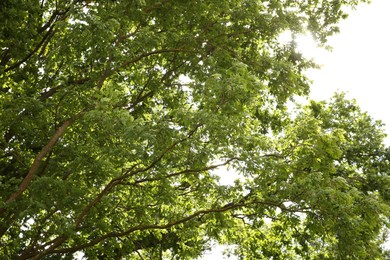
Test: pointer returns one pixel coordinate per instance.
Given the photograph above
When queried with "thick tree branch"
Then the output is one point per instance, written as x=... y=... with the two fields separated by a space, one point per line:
x=39 y=158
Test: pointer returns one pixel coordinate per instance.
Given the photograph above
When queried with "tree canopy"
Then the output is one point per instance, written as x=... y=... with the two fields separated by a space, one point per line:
x=115 y=116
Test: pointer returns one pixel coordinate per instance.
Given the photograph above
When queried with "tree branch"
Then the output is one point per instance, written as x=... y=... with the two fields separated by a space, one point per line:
x=38 y=160
x=118 y=180
x=95 y=241
x=244 y=201
x=211 y=167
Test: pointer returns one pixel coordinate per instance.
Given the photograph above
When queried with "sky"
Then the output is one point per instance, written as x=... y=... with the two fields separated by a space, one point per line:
x=359 y=65
x=359 y=62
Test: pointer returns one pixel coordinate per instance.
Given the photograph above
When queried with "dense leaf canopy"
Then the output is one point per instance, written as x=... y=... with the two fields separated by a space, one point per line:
x=115 y=116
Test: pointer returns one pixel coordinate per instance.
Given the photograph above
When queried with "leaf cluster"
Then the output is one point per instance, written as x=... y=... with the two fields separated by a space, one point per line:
x=116 y=115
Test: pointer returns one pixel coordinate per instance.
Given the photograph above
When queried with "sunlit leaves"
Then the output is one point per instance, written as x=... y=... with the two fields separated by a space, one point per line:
x=106 y=149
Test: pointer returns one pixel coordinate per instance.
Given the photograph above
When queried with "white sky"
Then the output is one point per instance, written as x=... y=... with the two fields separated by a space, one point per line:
x=359 y=62
x=358 y=65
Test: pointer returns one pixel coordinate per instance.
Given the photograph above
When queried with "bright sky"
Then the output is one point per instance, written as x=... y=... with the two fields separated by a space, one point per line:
x=359 y=62
x=358 y=65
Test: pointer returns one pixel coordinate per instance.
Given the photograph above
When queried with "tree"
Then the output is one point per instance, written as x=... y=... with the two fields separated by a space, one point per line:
x=114 y=115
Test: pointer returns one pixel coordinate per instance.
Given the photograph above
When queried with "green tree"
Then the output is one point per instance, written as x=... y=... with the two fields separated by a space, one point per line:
x=108 y=151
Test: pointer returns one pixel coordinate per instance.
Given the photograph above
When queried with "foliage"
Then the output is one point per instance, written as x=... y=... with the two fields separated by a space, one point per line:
x=115 y=115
